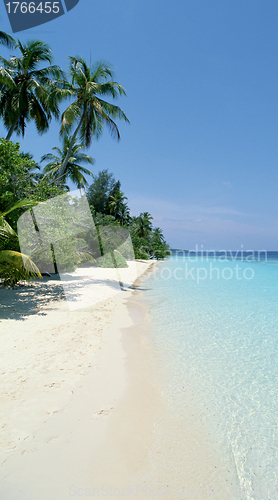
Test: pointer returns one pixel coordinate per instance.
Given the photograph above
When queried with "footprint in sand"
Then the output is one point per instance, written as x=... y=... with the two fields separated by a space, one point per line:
x=103 y=412
x=26 y=452
x=51 y=438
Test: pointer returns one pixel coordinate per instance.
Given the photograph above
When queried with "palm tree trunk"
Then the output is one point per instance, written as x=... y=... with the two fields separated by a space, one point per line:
x=11 y=131
x=67 y=157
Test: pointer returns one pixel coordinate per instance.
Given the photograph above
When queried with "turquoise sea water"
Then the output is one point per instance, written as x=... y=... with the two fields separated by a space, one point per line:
x=217 y=327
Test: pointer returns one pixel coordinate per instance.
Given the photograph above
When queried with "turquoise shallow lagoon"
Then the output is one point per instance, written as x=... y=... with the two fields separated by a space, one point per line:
x=217 y=331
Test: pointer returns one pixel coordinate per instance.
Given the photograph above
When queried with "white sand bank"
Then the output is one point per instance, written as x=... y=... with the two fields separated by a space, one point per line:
x=57 y=387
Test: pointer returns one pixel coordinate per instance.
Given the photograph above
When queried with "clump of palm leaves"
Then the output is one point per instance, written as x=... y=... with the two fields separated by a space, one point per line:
x=74 y=169
x=14 y=266
x=88 y=112
x=28 y=92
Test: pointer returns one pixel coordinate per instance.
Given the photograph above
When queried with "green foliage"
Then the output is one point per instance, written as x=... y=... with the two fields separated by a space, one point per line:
x=74 y=169
x=148 y=242
x=61 y=236
x=159 y=248
x=27 y=91
x=104 y=193
x=111 y=259
x=142 y=225
x=87 y=84
x=99 y=191
x=141 y=230
x=117 y=206
x=89 y=112
x=14 y=266
x=19 y=181
x=105 y=220
x=7 y=40
x=140 y=246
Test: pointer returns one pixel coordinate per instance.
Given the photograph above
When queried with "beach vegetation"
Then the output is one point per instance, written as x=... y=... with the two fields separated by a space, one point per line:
x=89 y=112
x=7 y=40
x=32 y=89
x=28 y=92
x=75 y=171
x=14 y=265
x=21 y=179
x=109 y=207
x=99 y=190
x=54 y=234
x=112 y=259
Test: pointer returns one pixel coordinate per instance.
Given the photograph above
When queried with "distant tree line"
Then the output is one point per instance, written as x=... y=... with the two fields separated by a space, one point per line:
x=109 y=207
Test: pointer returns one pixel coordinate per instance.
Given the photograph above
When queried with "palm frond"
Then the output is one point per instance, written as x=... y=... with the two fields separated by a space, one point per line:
x=20 y=204
x=6 y=78
x=6 y=231
x=15 y=266
x=7 y=40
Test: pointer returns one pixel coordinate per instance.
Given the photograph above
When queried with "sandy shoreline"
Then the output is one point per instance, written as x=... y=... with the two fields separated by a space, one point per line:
x=82 y=406
x=62 y=376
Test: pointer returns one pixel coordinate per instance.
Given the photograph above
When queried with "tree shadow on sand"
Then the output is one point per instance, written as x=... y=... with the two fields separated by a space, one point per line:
x=30 y=299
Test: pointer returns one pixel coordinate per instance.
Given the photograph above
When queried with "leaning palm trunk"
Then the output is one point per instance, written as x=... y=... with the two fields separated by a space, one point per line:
x=11 y=131
x=68 y=155
x=88 y=109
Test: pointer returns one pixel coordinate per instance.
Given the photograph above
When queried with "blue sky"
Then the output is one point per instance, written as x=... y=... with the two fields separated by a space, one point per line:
x=201 y=76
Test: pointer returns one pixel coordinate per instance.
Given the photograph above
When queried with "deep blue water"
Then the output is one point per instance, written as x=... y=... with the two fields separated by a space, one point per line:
x=217 y=327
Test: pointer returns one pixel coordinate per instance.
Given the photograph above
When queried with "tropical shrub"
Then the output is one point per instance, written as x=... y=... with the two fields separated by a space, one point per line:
x=111 y=260
x=14 y=266
x=19 y=179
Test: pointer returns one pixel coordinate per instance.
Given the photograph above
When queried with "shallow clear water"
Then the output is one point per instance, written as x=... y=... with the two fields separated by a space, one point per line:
x=217 y=326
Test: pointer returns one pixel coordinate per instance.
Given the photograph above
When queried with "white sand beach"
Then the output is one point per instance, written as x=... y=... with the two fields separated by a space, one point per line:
x=82 y=410
x=62 y=375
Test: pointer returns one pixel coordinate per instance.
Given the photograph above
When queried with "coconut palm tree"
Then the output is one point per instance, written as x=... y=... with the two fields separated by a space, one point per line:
x=157 y=233
x=143 y=225
x=7 y=40
x=116 y=202
x=124 y=214
x=14 y=266
x=89 y=112
x=32 y=172
x=27 y=92
x=74 y=170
